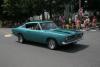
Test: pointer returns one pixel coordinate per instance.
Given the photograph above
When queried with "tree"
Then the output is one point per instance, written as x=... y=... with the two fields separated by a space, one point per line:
x=55 y=6
x=1 y=2
x=22 y=9
x=19 y=9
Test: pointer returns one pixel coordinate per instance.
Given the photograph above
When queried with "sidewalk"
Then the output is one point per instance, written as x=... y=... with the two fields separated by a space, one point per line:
x=98 y=25
x=90 y=29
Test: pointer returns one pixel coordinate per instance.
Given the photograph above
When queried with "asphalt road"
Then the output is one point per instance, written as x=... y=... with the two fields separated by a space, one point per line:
x=84 y=54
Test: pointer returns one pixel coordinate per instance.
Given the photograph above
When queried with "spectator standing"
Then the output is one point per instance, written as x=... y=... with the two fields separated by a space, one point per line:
x=87 y=23
x=78 y=23
x=70 y=22
x=62 y=20
x=94 y=22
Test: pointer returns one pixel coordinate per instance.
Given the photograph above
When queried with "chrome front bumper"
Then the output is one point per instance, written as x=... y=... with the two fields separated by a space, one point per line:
x=65 y=43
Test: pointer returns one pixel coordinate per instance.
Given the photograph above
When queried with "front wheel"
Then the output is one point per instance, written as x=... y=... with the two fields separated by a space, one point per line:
x=52 y=44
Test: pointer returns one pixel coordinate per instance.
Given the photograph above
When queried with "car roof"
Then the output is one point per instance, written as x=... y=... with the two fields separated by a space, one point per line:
x=39 y=21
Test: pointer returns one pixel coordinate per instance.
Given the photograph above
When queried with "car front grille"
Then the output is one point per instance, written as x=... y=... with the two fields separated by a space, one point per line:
x=74 y=37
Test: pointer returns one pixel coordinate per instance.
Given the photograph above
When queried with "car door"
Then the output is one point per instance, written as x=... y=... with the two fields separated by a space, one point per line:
x=33 y=32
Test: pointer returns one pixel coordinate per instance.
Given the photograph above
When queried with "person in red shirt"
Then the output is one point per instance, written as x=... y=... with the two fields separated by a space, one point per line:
x=77 y=23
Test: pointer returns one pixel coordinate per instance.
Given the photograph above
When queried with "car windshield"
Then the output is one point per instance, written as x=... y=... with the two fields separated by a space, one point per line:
x=48 y=26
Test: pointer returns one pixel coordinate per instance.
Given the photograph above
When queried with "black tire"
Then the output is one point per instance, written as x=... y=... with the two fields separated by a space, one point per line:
x=20 y=38
x=52 y=44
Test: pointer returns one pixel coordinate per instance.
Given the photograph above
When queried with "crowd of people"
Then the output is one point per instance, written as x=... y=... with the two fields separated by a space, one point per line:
x=78 y=22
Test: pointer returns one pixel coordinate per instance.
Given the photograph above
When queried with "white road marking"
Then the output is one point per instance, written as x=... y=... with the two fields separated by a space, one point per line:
x=8 y=35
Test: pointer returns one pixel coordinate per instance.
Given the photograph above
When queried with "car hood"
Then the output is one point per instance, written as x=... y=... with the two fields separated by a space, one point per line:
x=64 y=32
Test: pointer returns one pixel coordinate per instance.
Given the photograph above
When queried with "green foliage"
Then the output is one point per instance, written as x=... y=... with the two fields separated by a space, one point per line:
x=22 y=9
x=19 y=9
x=1 y=2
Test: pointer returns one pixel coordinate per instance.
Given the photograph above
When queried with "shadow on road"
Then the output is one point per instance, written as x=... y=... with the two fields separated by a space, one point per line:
x=72 y=48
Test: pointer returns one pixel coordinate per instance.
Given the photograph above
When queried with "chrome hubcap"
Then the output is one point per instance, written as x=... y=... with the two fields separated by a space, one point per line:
x=20 y=39
x=52 y=44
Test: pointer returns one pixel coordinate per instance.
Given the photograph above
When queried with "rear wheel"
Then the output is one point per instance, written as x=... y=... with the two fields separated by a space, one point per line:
x=52 y=44
x=20 y=38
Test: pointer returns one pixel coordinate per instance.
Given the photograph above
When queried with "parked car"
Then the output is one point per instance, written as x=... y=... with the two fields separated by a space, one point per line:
x=46 y=32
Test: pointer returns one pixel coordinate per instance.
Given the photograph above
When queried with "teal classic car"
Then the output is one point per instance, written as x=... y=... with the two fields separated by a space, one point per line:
x=46 y=32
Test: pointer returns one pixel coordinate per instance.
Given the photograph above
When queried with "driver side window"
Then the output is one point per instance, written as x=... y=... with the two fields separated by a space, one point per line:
x=32 y=26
